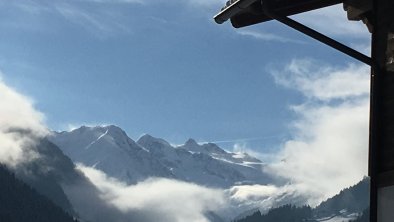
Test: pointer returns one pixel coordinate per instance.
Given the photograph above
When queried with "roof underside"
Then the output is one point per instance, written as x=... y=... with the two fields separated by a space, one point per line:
x=254 y=14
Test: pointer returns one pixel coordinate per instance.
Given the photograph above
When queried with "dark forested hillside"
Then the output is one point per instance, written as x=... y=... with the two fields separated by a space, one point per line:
x=286 y=213
x=46 y=173
x=20 y=203
x=352 y=199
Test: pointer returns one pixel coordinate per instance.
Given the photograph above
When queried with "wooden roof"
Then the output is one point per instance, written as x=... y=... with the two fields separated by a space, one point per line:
x=248 y=12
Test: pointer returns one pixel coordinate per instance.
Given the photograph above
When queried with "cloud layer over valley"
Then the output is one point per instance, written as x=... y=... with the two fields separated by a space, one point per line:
x=157 y=198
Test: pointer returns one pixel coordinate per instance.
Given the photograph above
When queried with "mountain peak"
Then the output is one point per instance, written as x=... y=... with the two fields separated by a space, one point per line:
x=213 y=148
x=85 y=127
x=191 y=142
x=111 y=129
x=147 y=139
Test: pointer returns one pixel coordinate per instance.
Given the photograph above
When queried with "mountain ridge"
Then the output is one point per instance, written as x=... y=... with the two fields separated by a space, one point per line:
x=131 y=161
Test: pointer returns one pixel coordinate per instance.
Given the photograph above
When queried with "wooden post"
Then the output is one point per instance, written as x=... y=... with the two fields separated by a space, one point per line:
x=381 y=162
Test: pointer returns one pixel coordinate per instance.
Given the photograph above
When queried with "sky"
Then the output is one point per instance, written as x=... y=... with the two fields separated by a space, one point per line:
x=167 y=69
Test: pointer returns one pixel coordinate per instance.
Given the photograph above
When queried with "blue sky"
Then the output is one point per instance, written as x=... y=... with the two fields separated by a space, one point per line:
x=165 y=68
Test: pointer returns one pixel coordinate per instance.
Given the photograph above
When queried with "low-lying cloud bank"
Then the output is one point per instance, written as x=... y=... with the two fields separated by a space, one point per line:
x=20 y=126
x=168 y=200
x=329 y=147
x=157 y=199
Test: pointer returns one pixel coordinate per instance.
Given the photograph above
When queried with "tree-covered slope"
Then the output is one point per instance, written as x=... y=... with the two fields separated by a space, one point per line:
x=354 y=199
x=349 y=202
x=47 y=172
x=286 y=213
x=20 y=203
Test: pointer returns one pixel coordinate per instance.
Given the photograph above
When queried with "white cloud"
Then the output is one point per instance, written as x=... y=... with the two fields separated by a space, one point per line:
x=79 y=16
x=102 y=18
x=115 y=1
x=248 y=192
x=101 y=24
x=244 y=199
x=20 y=126
x=266 y=36
x=333 y=21
x=74 y=126
x=241 y=148
x=207 y=3
x=92 y=15
x=157 y=199
x=328 y=151
x=204 y=3
x=324 y=82
x=30 y=7
x=168 y=200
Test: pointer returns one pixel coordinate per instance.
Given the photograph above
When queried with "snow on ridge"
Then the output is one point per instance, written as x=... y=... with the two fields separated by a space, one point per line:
x=101 y=136
x=190 y=145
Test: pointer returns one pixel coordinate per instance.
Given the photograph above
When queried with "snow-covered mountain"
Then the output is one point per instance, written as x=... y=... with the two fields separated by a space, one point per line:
x=109 y=149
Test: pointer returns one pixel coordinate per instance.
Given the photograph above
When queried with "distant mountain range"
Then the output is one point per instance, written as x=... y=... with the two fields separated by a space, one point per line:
x=109 y=149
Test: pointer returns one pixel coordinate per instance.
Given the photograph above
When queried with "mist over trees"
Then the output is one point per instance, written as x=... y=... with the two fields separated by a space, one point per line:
x=20 y=203
x=352 y=199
